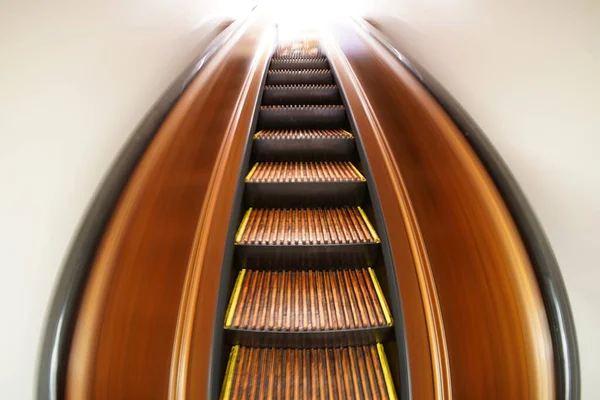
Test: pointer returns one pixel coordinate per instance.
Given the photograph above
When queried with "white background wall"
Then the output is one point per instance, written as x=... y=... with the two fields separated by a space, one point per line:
x=529 y=74
x=76 y=77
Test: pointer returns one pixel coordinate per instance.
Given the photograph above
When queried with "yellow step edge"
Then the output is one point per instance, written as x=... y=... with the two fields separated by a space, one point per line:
x=257 y=134
x=235 y=295
x=362 y=178
x=228 y=381
x=351 y=136
x=387 y=374
x=240 y=231
x=371 y=229
x=251 y=172
x=384 y=306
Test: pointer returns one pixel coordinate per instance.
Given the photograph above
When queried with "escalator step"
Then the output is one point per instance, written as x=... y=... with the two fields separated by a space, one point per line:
x=299 y=76
x=303 y=145
x=348 y=225
x=302 y=134
x=360 y=372
x=314 y=52
x=301 y=94
x=305 y=172
x=298 y=63
x=297 y=47
x=302 y=117
x=307 y=301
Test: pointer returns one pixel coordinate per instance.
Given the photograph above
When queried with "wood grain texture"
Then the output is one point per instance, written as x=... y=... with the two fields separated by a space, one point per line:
x=293 y=226
x=123 y=342
x=338 y=373
x=335 y=171
x=496 y=340
x=308 y=301
x=193 y=342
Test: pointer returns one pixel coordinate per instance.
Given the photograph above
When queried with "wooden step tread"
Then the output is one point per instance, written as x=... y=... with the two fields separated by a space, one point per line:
x=299 y=134
x=298 y=58
x=300 y=87
x=318 y=71
x=319 y=226
x=360 y=372
x=314 y=53
x=277 y=172
x=299 y=301
x=303 y=107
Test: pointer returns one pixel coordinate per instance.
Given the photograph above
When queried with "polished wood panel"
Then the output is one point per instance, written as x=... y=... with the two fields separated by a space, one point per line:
x=126 y=332
x=466 y=281
x=192 y=351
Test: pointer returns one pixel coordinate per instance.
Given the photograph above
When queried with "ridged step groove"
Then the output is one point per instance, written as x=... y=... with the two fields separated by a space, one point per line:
x=304 y=172
x=303 y=145
x=299 y=87
x=301 y=94
x=302 y=117
x=302 y=107
x=297 y=47
x=299 y=54
x=299 y=76
x=299 y=63
x=307 y=301
x=360 y=372
x=302 y=134
x=346 y=225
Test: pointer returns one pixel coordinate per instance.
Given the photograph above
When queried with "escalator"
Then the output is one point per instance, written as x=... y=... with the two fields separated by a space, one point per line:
x=266 y=234
x=307 y=316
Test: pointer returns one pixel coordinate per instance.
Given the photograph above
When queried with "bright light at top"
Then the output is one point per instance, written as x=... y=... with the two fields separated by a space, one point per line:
x=305 y=17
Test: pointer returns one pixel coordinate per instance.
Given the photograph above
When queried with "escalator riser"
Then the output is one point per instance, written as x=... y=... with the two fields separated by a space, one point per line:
x=360 y=372
x=299 y=63
x=300 y=77
x=301 y=94
x=308 y=301
x=302 y=117
x=303 y=145
x=304 y=149
x=348 y=225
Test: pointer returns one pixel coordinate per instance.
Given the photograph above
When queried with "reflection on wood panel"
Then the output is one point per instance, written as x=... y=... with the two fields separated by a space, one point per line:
x=130 y=320
x=466 y=281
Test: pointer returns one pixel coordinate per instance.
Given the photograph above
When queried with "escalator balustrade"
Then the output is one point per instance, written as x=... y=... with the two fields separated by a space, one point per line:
x=307 y=315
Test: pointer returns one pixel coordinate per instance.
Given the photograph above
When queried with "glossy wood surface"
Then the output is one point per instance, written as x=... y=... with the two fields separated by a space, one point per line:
x=129 y=326
x=476 y=326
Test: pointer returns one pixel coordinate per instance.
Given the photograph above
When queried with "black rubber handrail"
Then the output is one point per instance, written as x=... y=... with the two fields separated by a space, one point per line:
x=547 y=270
x=62 y=313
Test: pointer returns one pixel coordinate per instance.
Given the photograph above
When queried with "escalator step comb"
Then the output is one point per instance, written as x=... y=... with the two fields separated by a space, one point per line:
x=306 y=227
x=299 y=301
